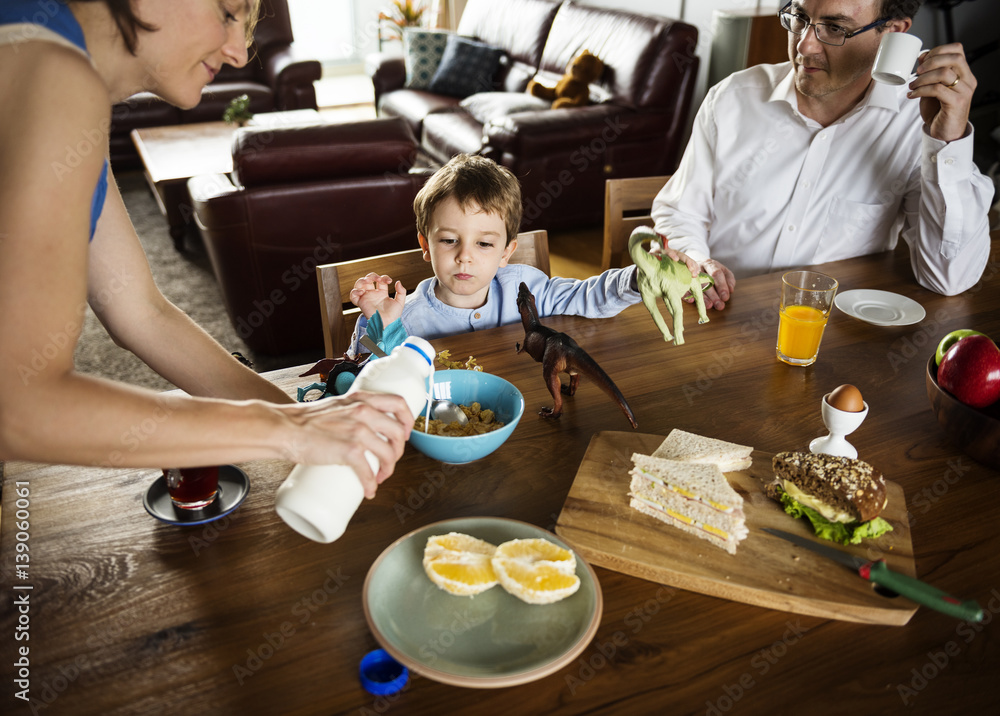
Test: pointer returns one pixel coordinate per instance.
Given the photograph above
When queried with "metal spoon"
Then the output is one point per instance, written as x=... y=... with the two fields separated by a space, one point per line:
x=448 y=412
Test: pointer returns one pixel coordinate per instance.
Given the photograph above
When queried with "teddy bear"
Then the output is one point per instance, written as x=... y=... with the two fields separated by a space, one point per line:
x=572 y=90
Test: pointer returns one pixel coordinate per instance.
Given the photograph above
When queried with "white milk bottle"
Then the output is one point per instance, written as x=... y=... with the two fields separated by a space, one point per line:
x=318 y=501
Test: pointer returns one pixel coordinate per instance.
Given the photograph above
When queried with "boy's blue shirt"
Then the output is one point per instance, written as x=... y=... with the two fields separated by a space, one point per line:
x=424 y=315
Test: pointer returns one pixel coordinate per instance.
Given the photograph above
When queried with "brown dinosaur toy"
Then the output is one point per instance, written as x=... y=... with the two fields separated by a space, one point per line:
x=558 y=353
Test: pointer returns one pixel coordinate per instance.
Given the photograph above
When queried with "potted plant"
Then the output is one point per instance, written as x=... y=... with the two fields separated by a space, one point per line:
x=401 y=13
x=238 y=111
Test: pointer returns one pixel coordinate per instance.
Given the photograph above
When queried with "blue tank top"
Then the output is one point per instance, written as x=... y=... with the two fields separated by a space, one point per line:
x=56 y=16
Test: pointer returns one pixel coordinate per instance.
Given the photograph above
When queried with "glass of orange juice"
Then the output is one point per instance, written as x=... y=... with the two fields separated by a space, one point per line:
x=806 y=302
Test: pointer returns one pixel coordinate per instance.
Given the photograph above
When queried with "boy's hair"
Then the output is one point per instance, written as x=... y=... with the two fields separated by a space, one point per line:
x=472 y=180
x=129 y=23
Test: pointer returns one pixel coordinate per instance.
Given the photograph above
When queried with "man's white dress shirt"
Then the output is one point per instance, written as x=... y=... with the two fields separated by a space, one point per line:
x=762 y=188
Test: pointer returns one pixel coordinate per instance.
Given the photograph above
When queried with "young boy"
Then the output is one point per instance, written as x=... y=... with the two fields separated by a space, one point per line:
x=468 y=215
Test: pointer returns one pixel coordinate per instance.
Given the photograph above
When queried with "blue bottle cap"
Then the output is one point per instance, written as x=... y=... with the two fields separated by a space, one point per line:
x=381 y=674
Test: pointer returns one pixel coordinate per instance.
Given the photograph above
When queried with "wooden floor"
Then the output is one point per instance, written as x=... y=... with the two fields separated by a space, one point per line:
x=576 y=253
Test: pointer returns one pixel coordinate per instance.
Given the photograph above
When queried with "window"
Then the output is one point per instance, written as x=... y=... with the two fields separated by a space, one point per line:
x=324 y=30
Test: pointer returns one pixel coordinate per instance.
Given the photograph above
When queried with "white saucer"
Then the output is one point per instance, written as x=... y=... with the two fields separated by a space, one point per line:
x=880 y=308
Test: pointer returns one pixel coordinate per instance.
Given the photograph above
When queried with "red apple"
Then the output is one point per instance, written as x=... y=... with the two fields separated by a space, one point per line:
x=970 y=371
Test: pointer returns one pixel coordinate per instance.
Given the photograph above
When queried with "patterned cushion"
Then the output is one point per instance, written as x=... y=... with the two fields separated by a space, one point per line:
x=422 y=50
x=466 y=67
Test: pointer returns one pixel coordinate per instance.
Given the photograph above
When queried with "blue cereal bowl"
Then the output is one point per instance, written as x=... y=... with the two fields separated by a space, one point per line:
x=465 y=387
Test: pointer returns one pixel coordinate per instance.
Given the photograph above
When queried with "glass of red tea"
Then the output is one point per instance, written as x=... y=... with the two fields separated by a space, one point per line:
x=192 y=488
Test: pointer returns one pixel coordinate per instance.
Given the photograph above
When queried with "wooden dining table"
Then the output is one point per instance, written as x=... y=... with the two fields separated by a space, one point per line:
x=118 y=613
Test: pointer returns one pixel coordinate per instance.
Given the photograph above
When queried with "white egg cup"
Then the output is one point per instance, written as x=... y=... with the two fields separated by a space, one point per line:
x=840 y=423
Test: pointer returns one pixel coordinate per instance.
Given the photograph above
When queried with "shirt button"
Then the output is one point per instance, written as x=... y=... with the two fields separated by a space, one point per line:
x=806 y=184
x=949 y=162
x=477 y=316
x=791 y=227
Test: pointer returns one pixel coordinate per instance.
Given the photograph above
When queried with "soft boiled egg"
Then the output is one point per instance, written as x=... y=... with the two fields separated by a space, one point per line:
x=846 y=398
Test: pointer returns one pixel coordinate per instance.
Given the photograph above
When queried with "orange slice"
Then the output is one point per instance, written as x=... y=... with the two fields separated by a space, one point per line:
x=536 y=571
x=459 y=564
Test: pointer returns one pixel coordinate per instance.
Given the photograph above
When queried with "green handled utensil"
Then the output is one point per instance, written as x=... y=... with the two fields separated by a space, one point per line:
x=876 y=571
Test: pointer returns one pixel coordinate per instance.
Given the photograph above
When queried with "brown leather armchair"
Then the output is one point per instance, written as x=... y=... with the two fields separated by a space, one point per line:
x=275 y=79
x=564 y=156
x=299 y=197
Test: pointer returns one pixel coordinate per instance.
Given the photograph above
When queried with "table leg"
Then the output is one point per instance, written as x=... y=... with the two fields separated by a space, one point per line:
x=172 y=198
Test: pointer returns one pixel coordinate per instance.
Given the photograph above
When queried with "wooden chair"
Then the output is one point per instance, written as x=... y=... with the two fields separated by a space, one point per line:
x=336 y=281
x=627 y=204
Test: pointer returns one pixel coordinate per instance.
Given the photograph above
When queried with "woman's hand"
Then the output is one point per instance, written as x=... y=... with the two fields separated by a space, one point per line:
x=340 y=430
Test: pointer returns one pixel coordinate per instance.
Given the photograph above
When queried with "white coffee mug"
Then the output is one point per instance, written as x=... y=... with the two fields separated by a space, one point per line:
x=897 y=54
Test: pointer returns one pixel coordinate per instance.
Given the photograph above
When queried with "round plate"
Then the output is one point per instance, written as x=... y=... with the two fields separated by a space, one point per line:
x=234 y=486
x=491 y=640
x=880 y=308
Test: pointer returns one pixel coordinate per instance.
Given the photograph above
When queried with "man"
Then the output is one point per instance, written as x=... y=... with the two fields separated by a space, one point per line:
x=811 y=161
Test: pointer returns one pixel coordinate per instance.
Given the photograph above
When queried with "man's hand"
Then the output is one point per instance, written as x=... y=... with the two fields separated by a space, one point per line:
x=716 y=295
x=371 y=294
x=944 y=84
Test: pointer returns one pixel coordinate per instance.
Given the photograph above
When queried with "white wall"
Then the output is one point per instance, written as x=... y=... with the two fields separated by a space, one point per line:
x=694 y=12
x=975 y=24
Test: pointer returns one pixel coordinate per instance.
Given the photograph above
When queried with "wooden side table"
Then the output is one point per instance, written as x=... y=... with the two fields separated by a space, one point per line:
x=172 y=155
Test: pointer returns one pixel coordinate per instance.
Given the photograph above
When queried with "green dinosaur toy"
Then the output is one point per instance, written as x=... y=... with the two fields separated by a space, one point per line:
x=667 y=279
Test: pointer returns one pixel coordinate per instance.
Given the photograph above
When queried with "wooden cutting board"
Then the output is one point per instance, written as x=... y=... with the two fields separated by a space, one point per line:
x=766 y=571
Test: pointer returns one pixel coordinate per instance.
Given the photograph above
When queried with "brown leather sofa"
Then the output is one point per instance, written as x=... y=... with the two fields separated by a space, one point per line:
x=562 y=157
x=299 y=197
x=275 y=79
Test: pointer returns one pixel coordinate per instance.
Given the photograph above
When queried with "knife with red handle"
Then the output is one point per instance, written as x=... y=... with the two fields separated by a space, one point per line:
x=876 y=571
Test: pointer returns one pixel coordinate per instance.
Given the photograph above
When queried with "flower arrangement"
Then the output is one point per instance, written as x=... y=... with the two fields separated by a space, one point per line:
x=401 y=13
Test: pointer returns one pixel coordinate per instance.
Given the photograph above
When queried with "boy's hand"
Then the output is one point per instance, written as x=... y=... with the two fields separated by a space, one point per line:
x=371 y=294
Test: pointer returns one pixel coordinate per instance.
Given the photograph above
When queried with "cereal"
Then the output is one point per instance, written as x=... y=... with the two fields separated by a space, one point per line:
x=481 y=420
x=444 y=358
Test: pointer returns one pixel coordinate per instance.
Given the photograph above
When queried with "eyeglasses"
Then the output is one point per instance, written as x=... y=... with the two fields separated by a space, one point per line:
x=825 y=33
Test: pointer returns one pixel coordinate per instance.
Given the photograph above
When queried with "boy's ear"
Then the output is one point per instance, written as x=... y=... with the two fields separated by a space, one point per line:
x=508 y=250
x=422 y=240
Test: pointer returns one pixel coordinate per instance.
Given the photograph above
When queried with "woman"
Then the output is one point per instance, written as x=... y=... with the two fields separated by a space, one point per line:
x=66 y=241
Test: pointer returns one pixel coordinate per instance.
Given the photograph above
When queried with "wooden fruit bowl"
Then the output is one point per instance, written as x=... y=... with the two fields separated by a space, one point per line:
x=976 y=432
